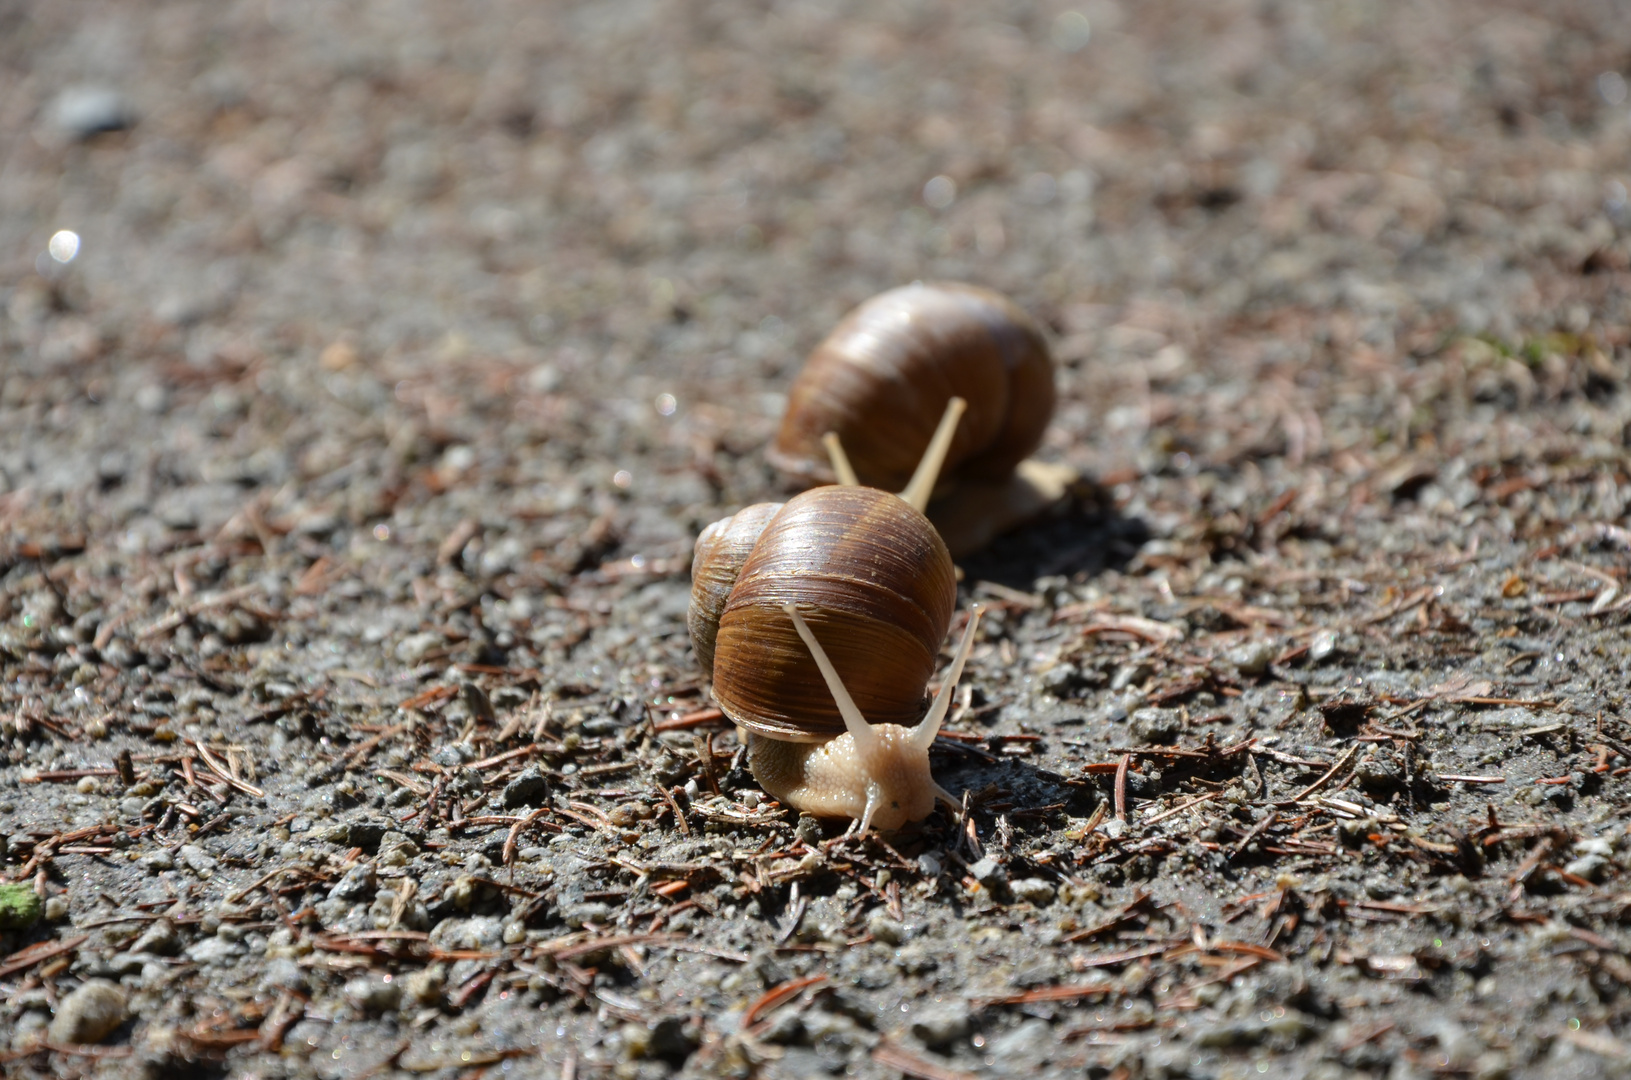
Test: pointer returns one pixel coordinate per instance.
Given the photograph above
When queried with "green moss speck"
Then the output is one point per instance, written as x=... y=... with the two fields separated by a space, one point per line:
x=20 y=907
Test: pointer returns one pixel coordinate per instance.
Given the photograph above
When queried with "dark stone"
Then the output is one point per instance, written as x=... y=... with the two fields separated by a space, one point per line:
x=531 y=788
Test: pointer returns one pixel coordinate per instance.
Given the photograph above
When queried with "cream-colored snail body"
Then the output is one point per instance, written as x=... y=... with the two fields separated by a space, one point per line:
x=817 y=616
x=881 y=380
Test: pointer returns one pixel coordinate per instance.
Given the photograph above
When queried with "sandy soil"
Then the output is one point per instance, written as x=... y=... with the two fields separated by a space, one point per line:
x=353 y=446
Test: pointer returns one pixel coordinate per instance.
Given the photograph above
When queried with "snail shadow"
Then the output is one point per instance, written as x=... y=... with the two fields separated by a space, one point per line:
x=1083 y=536
x=1009 y=784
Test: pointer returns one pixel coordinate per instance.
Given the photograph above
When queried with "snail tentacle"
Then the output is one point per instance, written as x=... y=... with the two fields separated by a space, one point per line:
x=923 y=734
x=841 y=468
x=866 y=740
x=874 y=799
x=921 y=486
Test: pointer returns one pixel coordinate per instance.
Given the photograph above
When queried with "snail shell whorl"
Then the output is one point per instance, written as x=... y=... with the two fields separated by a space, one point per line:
x=720 y=552
x=882 y=589
x=882 y=379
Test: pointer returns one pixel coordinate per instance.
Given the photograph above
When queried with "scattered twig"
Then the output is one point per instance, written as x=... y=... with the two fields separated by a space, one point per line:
x=1121 y=787
x=893 y=1056
x=1256 y=831
x=777 y=996
x=203 y=604
x=517 y=829
x=44 y=950
x=1336 y=767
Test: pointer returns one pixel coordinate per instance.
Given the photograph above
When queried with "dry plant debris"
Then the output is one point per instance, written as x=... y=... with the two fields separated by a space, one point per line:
x=367 y=370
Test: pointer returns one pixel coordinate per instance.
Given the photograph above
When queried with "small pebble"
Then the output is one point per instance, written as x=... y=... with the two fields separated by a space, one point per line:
x=121 y=655
x=1252 y=658
x=1291 y=1025
x=284 y=973
x=425 y=985
x=1158 y=727
x=1025 y=1041
x=1459 y=1045
x=1131 y=674
x=415 y=647
x=915 y=960
x=786 y=1028
x=939 y=1026
x=160 y=939
x=1061 y=679
x=125 y=963
x=1040 y=972
x=198 y=860
x=397 y=849
x=357 y=884
x=373 y=994
x=89 y=1014
x=528 y=789
x=1322 y=646
x=82 y=111
x=578 y=914
x=480 y=932
x=884 y=929
x=1229 y=1033
x=28 y=1030
x=834 y=1029
x=214 y=950
x=1033 y=891
x=1590 y=867
x=987 y=872
x=1380 y=887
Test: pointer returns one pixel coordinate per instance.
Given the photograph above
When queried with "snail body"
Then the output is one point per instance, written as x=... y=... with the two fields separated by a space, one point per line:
x=833 y=617
x=881 y=381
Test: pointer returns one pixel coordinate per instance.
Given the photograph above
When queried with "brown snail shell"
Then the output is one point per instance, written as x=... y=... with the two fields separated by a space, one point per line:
x=882 y=378
x=876 y=583
x=715 y=565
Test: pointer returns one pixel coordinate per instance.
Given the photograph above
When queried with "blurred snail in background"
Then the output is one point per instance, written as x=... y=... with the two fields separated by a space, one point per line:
x=820 y=621
x=881 y=381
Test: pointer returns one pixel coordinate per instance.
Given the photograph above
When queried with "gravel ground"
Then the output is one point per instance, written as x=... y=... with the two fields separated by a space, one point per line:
x=351 y=456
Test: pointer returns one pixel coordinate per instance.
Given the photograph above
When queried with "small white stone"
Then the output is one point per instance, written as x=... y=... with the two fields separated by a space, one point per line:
x=1033 y=891
x=373 y=994
x=89 y=1014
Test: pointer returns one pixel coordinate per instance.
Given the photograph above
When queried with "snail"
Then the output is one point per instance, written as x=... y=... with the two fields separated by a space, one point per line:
x=820 y=620
x=881 y=380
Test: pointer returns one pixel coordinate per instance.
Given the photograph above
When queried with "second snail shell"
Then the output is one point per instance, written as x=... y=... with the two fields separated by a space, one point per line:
x=882 y=378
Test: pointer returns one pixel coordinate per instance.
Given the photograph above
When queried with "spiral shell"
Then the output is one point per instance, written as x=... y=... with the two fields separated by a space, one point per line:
x=882 y=378
x=877 y=586
x=715 y=565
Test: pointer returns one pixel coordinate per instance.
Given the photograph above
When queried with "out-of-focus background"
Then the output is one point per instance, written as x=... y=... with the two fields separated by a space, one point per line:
x=356 y=354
